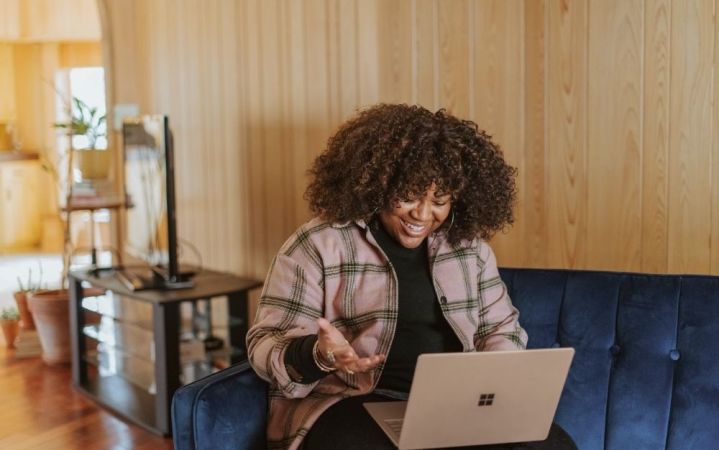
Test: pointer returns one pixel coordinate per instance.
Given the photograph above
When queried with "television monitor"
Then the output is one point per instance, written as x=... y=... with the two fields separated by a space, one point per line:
x=151 y=229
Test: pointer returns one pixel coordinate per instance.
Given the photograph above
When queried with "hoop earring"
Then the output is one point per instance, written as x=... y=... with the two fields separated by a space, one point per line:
x=370 y=220
x=451 y=222
x=373 y=214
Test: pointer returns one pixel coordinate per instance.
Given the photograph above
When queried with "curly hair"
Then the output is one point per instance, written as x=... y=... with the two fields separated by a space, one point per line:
x=392 y=152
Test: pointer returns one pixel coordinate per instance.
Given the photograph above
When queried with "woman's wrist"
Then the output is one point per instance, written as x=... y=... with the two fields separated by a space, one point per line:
x=319 y=359
x=300 y=362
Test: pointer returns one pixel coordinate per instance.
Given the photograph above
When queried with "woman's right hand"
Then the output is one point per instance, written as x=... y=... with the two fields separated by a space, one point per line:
x=332 y=342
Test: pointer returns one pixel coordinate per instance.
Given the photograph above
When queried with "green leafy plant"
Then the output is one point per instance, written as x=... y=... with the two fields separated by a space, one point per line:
x=10 y=313
x=85 y=121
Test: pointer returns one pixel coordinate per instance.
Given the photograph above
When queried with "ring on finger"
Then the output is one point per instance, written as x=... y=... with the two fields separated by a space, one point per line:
x=331 y=356
x=349 y=371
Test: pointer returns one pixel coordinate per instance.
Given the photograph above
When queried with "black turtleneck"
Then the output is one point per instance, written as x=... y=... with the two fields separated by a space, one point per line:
x=421 y=327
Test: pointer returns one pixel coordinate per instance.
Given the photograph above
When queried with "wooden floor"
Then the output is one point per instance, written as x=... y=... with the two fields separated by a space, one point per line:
x=39 y=409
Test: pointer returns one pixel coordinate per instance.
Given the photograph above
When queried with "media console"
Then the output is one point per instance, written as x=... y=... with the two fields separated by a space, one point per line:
x=147 y=343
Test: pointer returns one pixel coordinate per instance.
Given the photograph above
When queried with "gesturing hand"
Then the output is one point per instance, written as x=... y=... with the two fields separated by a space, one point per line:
x=338 y=353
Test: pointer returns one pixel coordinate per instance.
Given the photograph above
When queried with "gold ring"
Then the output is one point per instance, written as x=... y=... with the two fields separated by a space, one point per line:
x=331 y=356
x=349 y=372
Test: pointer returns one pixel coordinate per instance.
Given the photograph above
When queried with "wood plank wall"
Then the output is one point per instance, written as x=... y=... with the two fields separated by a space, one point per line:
x=49 y=20
x=607 y=107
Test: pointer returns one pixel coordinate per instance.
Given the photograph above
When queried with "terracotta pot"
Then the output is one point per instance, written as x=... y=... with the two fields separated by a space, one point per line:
x=51 y=311
x=26 y=321
x=10 y=329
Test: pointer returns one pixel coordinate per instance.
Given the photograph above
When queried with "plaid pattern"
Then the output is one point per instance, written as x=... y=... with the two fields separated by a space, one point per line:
x=338 y=271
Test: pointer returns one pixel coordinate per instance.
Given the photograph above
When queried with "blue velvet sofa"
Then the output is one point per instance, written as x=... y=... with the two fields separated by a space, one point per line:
x=645 y=374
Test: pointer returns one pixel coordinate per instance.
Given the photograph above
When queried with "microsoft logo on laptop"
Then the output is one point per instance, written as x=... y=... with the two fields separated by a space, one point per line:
x=486 y=400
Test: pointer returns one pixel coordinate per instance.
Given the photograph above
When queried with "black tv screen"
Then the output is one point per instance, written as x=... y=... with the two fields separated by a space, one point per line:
x=149 y=184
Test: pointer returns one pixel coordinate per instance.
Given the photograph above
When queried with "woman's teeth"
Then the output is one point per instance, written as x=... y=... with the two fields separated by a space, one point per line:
x=412 y=227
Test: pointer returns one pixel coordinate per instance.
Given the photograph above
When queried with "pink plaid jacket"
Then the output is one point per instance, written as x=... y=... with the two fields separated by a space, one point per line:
x=339 y=272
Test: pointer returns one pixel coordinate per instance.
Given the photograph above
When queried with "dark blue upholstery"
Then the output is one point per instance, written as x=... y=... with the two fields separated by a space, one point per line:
x=226 y=410
x=645 y=374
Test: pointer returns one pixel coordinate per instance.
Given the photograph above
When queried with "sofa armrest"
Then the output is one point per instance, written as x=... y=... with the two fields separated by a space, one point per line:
x=226 y=410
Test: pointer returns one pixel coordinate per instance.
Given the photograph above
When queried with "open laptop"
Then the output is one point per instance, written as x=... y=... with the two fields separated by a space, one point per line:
x=477 y=398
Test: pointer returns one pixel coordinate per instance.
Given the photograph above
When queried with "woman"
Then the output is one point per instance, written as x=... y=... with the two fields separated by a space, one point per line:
x=395 y=264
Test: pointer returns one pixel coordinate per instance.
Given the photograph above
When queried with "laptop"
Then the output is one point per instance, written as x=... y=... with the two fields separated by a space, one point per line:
x=477 y=398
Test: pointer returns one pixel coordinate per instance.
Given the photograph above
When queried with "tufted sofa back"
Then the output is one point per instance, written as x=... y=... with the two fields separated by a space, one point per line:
x=646 y=370
x=645 y=374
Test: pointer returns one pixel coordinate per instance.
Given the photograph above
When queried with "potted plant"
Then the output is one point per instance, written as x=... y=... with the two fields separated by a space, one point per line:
x=9 y=321
x=26 y=320
x=87 y=125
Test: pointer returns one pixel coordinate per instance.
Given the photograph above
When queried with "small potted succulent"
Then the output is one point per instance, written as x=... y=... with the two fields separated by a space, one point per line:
x=9 y=321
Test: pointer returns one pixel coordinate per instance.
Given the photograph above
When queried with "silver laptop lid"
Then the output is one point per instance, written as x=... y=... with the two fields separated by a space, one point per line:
x=484 y=397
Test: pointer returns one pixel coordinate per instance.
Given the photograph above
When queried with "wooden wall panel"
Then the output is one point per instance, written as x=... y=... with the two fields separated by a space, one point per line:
x=655 y=129
x=9 y=19
x=692 y=43
x=80 y=54
x=35 y=67
x=498 y=101
x=297 y=119
x=425 y=53
x=231 y=187
x=7 y=83
x=277 y=222
x=614 y=226
x=395 y=52
x=566 y=71
x=368 y=45
x=605 y=107
x=535 y=166
x=192 y=137
x=454 y=56
x=50 y=20
x=252 y=103
x=346 y=47
x=212 y=161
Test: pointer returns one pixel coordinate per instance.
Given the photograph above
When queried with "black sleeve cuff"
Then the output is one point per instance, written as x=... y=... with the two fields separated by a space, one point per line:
x=299 y=361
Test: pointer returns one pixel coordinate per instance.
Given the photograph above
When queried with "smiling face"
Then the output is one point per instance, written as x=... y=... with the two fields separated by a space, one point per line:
x=410 y=221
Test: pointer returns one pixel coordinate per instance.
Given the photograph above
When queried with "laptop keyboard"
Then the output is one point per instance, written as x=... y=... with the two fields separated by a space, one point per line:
x=395 y=425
